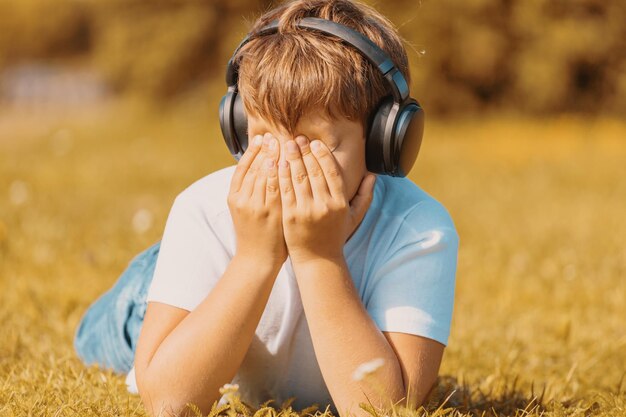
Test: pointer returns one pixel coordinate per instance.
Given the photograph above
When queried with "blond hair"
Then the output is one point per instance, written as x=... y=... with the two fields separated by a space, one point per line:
x=284 y=75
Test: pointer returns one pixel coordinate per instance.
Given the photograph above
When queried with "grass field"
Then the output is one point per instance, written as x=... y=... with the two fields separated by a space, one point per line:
x=539 y=323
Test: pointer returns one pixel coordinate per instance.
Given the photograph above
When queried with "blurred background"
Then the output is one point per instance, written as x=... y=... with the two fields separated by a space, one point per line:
x=108 y=110
x=537 y=57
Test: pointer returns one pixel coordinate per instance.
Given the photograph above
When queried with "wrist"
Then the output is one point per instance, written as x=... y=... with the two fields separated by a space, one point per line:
x=259 y=263
x=309 y=253
x=318 y=262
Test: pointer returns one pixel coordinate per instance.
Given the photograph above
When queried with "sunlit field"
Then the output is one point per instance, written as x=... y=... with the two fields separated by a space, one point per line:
x=539 y=323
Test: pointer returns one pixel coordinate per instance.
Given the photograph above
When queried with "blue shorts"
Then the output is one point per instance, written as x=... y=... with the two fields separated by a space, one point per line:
x=108 y=331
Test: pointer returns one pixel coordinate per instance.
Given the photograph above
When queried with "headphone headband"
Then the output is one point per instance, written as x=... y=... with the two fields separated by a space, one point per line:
x=378 y=57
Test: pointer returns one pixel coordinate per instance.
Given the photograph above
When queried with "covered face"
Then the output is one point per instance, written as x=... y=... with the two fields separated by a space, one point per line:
x=344 y=137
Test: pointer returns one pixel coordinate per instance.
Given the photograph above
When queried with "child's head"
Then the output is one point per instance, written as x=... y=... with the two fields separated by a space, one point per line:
x=300 y=81
x=286 y=75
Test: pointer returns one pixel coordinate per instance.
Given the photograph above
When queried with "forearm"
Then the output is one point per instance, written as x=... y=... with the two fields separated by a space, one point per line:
x=344 y=336
x=207 y=347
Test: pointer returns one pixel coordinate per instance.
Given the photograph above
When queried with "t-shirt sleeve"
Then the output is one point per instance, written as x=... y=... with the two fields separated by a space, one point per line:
x=192 y=258
x=413 y=288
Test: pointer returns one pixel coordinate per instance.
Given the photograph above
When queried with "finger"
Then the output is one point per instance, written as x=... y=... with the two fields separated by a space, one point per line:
x=244 y=163
x=272 y=188
x=317 y=180
x=247 y=188
x=269 y=149
x=287 y=194
x=269 y=187
x=330 y=167
x=260 y=182
x=363 y=198
x=299 y=176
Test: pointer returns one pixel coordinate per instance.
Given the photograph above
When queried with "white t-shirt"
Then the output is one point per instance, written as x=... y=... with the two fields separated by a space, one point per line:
x=402 y=260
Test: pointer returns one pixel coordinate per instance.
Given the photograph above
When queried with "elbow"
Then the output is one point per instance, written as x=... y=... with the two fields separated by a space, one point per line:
x=164 y=400
x=416 y=398
x=161 y=405
x=157 y=404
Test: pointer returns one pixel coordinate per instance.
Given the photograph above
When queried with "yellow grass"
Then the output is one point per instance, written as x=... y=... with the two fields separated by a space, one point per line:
x=539 y=321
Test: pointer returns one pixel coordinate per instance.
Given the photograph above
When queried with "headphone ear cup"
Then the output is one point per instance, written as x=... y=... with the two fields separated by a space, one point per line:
x=234 y=124
x=240 y=123
x=226 y=124
x=375 y=142
x=409 y=130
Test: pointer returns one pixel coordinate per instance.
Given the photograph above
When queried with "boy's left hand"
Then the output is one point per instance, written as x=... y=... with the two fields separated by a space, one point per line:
x=317 y=216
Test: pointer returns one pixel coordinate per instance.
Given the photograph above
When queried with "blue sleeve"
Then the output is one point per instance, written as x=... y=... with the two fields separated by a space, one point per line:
x=413 y=288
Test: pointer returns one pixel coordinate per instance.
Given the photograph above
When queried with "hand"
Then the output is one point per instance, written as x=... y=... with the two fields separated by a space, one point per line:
x=254 y=202
x=317 y=217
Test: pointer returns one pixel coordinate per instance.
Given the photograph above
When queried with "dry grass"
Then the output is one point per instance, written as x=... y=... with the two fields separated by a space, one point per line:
x=541 y=296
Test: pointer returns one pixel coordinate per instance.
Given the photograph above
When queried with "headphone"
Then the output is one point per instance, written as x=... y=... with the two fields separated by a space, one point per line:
x=395 y=127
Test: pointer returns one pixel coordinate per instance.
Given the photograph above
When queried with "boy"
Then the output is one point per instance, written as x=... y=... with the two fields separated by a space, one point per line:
x=287 y=271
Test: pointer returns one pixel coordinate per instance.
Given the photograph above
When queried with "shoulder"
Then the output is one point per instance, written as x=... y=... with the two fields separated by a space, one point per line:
x=417 y=215
x=208 y=194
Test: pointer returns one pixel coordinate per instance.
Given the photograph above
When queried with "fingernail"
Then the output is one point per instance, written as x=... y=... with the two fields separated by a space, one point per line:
x=258 y=140
x=272 y=144
x=266 y=140
x=302 y=141
x=315 y=145
x=291 y=146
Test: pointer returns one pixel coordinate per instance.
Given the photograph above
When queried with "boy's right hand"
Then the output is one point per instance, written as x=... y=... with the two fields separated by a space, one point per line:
x=255 y=205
